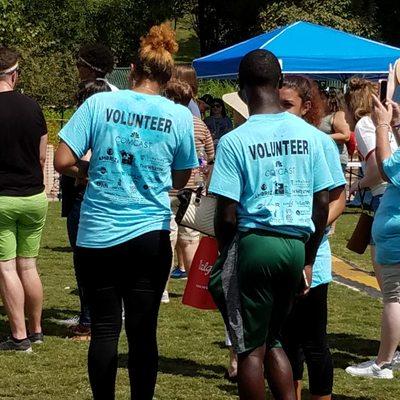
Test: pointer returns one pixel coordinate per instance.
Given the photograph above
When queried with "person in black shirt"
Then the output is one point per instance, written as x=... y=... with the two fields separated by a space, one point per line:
x=94 y=61
x=73 y=191
x=23 y=206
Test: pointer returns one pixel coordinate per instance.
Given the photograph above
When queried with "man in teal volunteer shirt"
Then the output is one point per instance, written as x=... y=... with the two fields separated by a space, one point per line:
x=270 y=178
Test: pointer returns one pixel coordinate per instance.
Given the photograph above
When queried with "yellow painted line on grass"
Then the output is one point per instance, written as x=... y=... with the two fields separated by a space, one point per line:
x=346 y=271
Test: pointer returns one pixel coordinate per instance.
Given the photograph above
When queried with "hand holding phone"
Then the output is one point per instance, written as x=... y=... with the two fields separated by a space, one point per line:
x=383 y=85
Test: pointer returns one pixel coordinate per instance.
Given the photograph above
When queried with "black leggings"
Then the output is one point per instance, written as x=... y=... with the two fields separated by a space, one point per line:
x=134 y=272
x=305 y=339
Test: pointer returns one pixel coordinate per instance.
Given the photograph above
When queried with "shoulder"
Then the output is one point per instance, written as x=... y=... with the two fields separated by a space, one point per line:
x=179 y=110
x=326 y=140
x=364 y=123
x=198 y=123
x=234 y=139
x=307 y=130
x=26 y=100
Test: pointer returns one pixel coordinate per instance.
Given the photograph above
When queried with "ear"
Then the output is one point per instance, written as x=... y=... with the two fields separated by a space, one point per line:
x=242 y=95
x=14 y=78
x=305 y=108
x=280 y=83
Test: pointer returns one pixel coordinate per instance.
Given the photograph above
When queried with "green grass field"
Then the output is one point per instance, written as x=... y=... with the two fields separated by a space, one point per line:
x=192 y=354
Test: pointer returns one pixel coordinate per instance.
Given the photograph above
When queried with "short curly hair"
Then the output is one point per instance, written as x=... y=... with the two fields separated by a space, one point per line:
x=98 y=57
x=8 y=58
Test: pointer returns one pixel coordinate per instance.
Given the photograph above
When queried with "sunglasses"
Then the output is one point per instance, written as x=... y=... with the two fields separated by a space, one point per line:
x=216 y=106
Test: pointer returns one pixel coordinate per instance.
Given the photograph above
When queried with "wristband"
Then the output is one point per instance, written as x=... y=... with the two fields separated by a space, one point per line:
x=383 y=124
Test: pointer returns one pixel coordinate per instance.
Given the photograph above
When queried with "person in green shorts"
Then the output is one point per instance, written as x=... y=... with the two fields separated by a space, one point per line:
x=271 y=181
x=23 y=206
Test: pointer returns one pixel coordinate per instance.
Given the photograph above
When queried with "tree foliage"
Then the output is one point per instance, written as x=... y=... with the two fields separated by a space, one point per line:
x=48 y=34
x=220 y=23
x=355 y=16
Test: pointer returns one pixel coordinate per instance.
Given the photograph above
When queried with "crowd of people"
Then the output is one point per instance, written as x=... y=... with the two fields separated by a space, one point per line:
x=278 y=173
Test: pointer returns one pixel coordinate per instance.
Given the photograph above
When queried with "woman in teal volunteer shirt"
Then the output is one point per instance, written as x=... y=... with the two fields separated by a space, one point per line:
x=142 y=145
x=306 y=330
x=386 y=234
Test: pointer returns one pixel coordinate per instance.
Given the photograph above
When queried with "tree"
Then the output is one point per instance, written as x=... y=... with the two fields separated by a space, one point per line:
x=354 y=16
x=48 y=34
x=221 y=23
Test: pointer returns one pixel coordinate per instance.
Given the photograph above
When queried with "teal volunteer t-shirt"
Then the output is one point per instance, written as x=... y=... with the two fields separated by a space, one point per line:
x=322 y=269
x=136 y=140
x=272 y=165
x=386 y=227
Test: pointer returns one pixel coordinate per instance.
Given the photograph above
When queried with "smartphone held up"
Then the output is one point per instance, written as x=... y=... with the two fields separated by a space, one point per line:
x=383 y=85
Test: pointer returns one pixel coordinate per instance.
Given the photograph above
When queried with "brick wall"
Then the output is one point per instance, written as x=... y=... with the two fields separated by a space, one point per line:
x=51 y=176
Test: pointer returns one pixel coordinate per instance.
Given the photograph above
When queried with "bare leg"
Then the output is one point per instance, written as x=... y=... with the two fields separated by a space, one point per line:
x=33 y=289
x=233 y=363
x=173 y=237
x=179 y=253
x=12 y=293
x=377 y=267
x=188 y=250
x=390 y=333
x=251 y=382
x=279 y=375
x=298 y=386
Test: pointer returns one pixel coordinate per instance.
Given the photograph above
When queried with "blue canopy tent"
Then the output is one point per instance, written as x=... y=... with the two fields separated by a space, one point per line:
x=305 y=48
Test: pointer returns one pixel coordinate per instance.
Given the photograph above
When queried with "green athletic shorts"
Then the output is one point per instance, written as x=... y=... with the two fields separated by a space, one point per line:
x=254 y=283
x=21 y=223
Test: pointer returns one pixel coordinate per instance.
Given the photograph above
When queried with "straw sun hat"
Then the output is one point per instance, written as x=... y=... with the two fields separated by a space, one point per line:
x=234 y=101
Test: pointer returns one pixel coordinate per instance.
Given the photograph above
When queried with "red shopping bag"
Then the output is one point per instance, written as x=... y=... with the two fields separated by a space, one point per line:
x=196 y=292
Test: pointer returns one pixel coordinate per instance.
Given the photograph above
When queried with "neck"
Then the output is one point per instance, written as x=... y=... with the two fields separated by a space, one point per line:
x=6 y=86
x=147 y=86
x=263 y=101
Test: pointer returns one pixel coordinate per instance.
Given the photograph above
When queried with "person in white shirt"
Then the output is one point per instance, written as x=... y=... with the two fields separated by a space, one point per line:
x=359 y=100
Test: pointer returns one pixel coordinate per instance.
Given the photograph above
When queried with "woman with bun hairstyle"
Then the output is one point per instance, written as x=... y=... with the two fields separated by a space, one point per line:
x=142 y=145
x=359 y=101
x=305 y=335
x=187 y=73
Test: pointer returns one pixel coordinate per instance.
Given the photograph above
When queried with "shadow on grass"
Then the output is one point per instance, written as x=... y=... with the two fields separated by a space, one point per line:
x=59 y=249
x=50 y=328
x=220 y=344
x=182 y=367
x=174 y=295
x=230 y=389
x=350 y=349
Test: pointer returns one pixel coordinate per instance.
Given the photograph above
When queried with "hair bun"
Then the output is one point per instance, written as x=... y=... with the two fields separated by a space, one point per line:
x=161 y=38
x=357 y=83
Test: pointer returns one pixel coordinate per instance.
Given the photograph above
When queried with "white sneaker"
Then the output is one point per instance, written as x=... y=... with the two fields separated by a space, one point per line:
x=165 y=297
x=396 y=361
x=66 y=322
x=371 y=371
